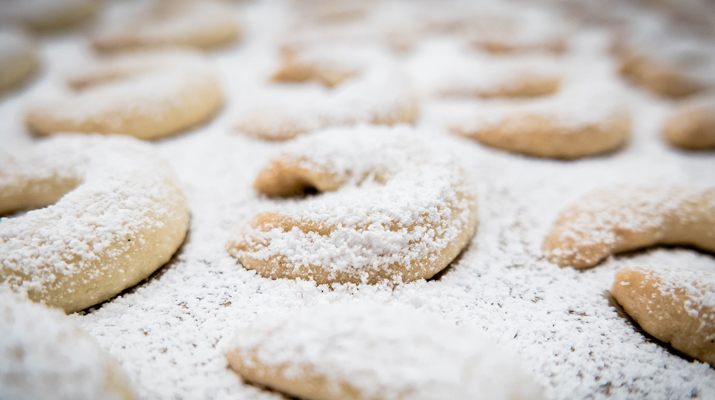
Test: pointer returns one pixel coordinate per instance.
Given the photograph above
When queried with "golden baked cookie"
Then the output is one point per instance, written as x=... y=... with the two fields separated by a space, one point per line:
x=676 y=306
x=393 y=205
x=691 y=125
x=372 y=90
x=145 y=95
x=623 y=218
x=571 y=124
x=518 y=29
x=666 y=61
x=200 y=24
x=45 y=355
x=44 y=15
x=18 y=58
x=363 y=350
x=113 y=214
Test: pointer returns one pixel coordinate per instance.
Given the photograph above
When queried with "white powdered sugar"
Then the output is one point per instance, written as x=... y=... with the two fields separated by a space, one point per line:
x=386 y=352
x=45 y=355
x=170 y=332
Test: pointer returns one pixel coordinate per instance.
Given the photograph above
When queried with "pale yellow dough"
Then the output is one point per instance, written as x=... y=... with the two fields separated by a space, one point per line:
x=173 y=23
x=623 y=218
x=145 y=95
x=113 y=214
x=45 y=355
x=675 y=306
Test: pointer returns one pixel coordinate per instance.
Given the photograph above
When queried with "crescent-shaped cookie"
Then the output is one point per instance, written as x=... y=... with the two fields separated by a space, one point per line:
x=18 y=58
x=197 y=24
x=571 y=124
x=395 y=206
x=145 y=95
x=363 y=350
x=371 y=89
x=113 y=214
x=677 y=306
x=691 y=125
x=623 y=218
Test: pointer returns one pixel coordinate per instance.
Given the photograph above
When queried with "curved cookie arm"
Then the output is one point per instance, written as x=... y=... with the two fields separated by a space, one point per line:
x=691 y=125
x=624 y=218
x=676 y=307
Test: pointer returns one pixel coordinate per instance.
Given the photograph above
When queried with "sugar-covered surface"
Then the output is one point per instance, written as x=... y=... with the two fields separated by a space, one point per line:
x=170 y=333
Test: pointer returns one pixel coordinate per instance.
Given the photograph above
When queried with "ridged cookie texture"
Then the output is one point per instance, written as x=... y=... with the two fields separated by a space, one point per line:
x=113 y=214
x=394 y=205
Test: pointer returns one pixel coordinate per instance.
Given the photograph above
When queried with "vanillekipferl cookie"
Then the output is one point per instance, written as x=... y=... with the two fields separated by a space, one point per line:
x=19 y=58
x=113 y=214
x=45 y=15
x=198 y=24
x=691 y=124
x=45 y=355
x=370 y=88
x=506 y=77
x=364 y=350
x=394 y=205
x=675 y=305
x=623 y=218
x=145 y=95
x=666 y=61
x=581 y=120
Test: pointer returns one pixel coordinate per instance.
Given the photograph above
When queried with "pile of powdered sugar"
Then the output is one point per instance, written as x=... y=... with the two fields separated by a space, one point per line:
x=170 y=333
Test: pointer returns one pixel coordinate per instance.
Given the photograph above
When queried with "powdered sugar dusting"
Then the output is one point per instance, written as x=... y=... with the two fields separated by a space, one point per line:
x=169 y=332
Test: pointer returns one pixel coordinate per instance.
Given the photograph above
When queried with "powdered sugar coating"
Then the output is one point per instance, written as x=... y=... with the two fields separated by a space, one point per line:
x=403 y=200
x=45 y=355
x=380 y=351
